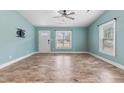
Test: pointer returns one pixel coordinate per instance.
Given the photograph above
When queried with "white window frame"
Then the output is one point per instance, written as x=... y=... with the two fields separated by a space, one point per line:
x=70 y=39
x=101 y=37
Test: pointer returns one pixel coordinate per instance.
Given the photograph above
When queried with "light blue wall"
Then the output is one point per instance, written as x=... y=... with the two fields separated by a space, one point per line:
x=93 y=36
x=79 y=37
x=10 y=45
x=83 y=39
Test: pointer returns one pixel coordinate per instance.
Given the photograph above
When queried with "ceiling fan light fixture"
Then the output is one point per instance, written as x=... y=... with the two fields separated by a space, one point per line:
x=66 y=14
x=87 y=11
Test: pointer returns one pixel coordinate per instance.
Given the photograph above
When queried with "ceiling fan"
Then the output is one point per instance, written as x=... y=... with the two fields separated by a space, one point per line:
x=66 y=14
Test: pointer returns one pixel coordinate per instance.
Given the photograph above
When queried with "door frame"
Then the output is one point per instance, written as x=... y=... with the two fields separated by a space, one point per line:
x=49 y=41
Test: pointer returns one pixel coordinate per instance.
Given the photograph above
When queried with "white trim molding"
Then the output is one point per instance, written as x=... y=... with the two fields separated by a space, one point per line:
x=16 y=60
x=64 y=52
x=69 y=52
x=108 y=61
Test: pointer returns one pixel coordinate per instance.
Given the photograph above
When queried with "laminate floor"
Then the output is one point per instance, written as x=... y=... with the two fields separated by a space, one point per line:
x=61 y=68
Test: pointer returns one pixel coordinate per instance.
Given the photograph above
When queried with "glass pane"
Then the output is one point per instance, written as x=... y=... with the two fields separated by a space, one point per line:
x=107 y=42
x=59 y=45
x=67 y=45
x=44 y=34
x=108 y=45
x=59 y=35
x=63 y=39
x=67 y=37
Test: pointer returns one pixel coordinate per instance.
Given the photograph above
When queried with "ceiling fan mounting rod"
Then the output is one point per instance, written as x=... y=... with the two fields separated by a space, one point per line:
x=64 y=12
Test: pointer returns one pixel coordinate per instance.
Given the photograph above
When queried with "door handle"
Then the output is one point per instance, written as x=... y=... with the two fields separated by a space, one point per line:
x=48 y=41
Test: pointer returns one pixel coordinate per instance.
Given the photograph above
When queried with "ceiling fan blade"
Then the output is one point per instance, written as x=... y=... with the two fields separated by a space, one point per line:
x=69 y=17
x=60 y=12
x=57 y=16
x=72 y=13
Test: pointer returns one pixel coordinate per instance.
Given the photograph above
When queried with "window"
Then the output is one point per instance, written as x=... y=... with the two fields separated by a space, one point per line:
x=107 y=38
x=63 y=39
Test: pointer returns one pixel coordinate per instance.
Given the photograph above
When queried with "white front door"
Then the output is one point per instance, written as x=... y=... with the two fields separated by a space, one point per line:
x=44 y=41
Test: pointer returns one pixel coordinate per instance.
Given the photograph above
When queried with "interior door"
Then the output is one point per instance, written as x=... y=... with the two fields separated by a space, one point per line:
x=44 y=41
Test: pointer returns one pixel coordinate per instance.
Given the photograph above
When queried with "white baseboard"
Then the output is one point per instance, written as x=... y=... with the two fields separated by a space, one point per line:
x=69 y=52
x=15 y=60
x=108 y=61
x=66 y=52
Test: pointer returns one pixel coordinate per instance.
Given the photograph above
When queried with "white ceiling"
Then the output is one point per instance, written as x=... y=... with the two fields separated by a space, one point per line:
x=45 y=18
